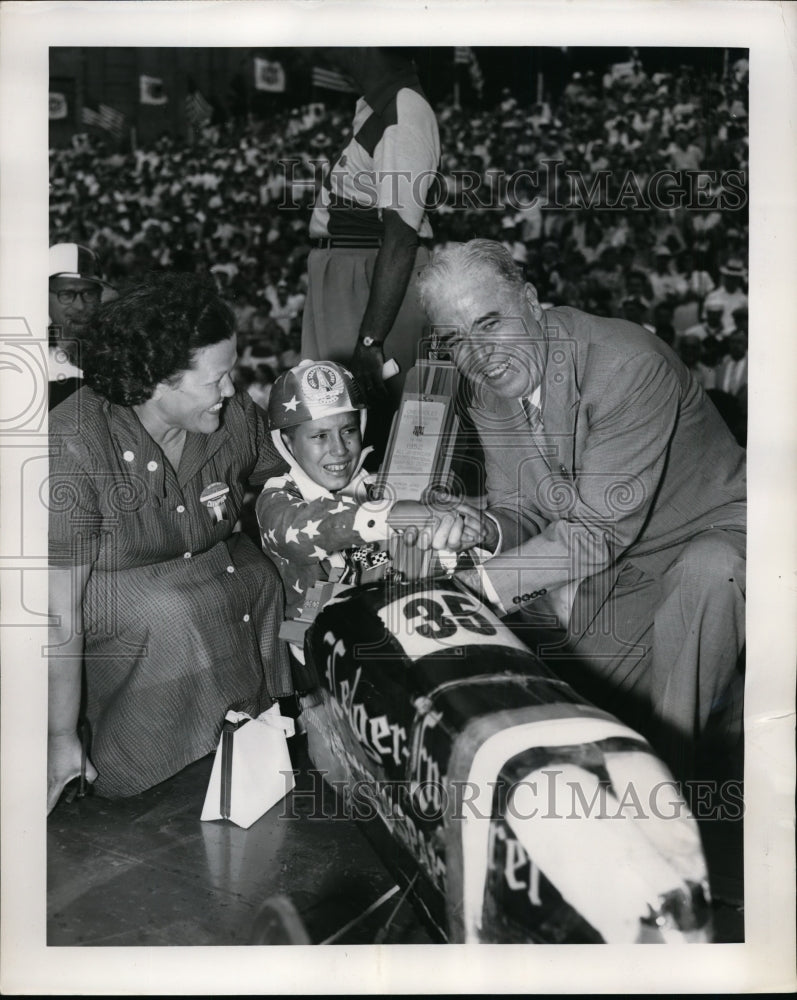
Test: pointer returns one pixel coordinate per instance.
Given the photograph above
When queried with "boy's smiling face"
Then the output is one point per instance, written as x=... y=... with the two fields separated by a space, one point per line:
x=327 y=449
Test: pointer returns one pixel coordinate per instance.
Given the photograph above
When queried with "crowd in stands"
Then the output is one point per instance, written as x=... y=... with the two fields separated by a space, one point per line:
x=592 y=193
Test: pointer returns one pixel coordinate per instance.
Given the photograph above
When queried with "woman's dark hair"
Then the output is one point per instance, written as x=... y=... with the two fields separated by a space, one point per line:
x=150 y=334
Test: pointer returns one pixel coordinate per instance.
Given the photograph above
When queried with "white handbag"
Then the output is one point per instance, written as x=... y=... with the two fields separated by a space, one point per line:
x=252 y=769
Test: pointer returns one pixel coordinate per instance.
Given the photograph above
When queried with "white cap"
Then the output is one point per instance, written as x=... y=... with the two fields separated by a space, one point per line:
x=71 y=260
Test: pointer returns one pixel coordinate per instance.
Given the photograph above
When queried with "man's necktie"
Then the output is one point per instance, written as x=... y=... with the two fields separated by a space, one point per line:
x=533 y=416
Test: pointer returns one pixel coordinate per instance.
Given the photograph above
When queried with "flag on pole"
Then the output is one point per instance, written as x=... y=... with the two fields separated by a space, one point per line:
x=112 y=120
x=465 y=56
x=476 y=75
x=58 y=106
x=269 y=75
x=89 y=117
x=198 y=111
x=329 y=79
x=151 y=90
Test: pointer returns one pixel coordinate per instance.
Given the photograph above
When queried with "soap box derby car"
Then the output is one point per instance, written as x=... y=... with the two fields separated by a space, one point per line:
x=510 y=808
x=514 y=810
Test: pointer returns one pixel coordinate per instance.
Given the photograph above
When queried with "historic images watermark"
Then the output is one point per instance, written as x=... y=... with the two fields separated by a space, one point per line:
x=543 y=797
x=549 y=186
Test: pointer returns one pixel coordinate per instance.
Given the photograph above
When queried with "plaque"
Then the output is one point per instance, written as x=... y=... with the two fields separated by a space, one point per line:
x=418 y=456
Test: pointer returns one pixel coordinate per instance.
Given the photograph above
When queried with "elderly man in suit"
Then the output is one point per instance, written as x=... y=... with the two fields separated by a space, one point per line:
x=615 y=498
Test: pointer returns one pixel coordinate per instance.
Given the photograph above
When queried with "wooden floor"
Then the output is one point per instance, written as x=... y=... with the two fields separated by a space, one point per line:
x=147 y=871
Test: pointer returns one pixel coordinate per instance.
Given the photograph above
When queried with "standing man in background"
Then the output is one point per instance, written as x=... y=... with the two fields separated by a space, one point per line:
x=76 y=287
x=369 y=227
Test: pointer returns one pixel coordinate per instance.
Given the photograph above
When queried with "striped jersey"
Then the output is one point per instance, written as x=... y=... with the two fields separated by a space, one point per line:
x=389 y=162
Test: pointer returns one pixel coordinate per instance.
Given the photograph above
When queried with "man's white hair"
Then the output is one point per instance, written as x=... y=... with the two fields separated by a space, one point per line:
x=483 y=259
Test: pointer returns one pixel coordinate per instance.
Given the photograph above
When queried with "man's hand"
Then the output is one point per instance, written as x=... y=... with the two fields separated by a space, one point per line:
x=367 y=364
x=391 y=276
x=452 y=530
x=478 y=529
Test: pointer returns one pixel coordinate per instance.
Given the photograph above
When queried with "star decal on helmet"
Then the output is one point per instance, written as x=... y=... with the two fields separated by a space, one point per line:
x=292 y=403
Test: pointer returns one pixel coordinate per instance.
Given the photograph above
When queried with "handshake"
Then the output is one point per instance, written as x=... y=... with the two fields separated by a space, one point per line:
x=450 y=528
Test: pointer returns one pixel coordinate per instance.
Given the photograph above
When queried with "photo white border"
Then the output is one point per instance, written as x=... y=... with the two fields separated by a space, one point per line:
x=767 y=959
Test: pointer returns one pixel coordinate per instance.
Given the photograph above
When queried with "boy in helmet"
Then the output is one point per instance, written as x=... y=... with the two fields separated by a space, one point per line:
x=321 y=506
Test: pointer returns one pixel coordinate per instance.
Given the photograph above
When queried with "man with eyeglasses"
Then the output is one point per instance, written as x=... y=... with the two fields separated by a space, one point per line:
x=76 y=288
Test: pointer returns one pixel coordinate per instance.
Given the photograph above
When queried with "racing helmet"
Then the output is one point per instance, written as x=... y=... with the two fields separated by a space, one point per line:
x=311 y=390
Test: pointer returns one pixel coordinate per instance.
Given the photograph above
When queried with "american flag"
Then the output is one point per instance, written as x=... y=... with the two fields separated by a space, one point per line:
x=111 y=120
x=198 y=111
x=106 y=118
x=328 y=79
x=89 y=117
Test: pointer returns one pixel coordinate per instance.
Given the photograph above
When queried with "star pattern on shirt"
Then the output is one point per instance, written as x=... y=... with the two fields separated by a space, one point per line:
x=319 y=553
x=340 y=509
x=292 y=535
x=298 y=588
x=291 y=404
x=271 y=536
x=311 y=528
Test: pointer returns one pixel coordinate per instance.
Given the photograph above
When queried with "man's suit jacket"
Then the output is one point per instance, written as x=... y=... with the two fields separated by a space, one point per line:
x=633 y=458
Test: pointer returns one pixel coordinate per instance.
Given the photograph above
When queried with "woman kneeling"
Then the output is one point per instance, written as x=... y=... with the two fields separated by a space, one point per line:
x=171 y=617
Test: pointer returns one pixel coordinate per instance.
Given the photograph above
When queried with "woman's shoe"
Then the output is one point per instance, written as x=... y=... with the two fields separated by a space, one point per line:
x=79 y=785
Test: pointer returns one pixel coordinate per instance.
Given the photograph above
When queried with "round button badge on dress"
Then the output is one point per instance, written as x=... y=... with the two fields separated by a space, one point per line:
x=128 y=456
x=214 y=497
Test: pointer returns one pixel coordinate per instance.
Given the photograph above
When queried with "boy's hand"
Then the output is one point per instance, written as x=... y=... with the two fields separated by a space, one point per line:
x=454 y=530
x=409 y=518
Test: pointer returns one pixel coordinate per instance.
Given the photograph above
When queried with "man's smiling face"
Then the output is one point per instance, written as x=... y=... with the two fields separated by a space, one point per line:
x=494 y=332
